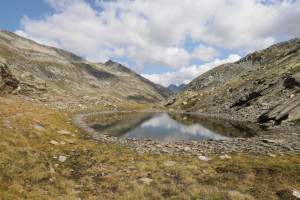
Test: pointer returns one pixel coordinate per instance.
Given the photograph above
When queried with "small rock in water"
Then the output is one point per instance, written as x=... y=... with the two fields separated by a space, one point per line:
x=169 y=163
x=224 y=157
x=62 y=158
x=54 y=142
x=64 y=132
x=204 y=158
x=146 y=181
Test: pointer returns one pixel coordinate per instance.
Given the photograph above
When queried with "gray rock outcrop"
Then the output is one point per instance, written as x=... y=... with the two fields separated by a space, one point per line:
x=8 y=82
x=263 y=86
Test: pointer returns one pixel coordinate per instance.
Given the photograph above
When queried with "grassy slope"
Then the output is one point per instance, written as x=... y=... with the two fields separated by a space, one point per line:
x=103 y=171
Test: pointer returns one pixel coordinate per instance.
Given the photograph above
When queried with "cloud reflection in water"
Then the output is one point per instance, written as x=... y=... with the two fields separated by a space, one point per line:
x=162 y=128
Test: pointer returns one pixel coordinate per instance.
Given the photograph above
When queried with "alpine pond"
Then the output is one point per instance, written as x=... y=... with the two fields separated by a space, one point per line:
x=164 y=127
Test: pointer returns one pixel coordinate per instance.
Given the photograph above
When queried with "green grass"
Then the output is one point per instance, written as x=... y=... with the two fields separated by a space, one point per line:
x=189 y=104
x=94 y=170
x=296 y=122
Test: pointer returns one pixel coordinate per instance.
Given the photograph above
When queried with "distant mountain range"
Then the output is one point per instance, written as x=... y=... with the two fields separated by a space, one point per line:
x=175 y=88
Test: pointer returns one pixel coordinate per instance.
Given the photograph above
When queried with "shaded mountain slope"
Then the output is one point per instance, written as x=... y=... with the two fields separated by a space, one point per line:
x=54 y=76
x=263 y=86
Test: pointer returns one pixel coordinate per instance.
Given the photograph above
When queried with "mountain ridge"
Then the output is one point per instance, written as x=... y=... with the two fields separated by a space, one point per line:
x=46 y=74
x=256 y=87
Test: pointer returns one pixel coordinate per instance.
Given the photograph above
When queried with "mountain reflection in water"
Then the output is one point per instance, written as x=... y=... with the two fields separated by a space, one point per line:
x=165 y=127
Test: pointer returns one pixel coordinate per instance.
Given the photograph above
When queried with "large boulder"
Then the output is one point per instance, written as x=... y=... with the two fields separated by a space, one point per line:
x=292 y=81
x=289 y=110
x=8 y=83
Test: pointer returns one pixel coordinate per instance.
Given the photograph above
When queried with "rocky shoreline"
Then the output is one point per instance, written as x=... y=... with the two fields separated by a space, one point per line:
x=281 y=139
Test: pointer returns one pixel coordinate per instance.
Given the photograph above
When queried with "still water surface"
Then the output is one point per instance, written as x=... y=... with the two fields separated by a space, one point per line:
x=165 y=127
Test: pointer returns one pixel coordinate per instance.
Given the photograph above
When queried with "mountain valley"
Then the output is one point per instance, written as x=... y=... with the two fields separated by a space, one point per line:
x=175 y=88
x=48 y=149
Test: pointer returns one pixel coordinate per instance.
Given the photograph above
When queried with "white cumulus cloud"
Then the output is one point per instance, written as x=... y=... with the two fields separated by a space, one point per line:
x=204 y=53
x=187 y=74
x=154 y=33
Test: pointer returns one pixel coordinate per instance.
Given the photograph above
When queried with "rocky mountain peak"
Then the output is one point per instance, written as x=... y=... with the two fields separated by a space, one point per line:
x=109 y=63
x=117 y=67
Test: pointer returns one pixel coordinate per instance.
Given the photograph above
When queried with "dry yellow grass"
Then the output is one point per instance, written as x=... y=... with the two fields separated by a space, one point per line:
x=94 y=170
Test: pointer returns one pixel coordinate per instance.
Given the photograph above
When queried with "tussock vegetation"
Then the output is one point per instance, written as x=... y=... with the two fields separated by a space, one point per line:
x=29 y=167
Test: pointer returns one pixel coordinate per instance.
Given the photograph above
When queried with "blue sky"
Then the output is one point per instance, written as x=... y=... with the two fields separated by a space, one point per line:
x=166 y=41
